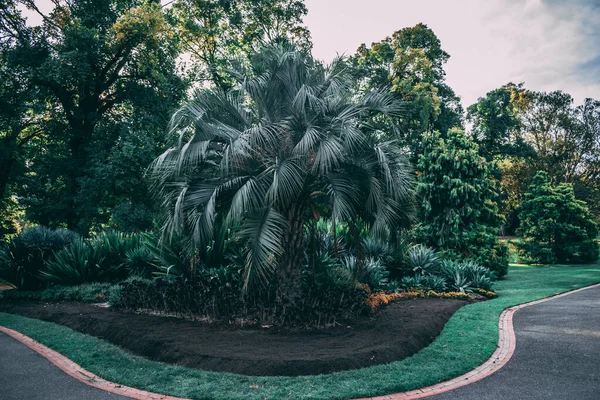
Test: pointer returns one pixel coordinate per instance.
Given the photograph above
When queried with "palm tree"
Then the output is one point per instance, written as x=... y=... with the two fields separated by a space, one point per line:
x=262 y=157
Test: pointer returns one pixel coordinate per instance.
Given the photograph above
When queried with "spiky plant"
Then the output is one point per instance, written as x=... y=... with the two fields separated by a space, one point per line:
x=23 y=257
x=422 y=259
x=290 y=136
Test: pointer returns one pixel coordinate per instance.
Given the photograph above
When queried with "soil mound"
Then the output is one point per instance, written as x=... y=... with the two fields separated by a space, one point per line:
x=394 y=333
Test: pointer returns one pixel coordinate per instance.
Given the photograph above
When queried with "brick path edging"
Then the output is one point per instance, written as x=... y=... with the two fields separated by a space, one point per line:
x=82 y=375
x=503 y=353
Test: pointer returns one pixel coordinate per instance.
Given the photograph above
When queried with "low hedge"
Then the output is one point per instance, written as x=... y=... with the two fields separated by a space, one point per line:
x=86 y=293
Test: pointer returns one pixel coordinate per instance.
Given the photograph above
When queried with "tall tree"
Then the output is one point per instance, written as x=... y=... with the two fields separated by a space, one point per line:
x=497 y=122
x=410 y=64
x=555 y=226
x=220 y=33
x=566 y=140
x=288 y=137
x=103 y=64
x=459 y=213
x=22 y=110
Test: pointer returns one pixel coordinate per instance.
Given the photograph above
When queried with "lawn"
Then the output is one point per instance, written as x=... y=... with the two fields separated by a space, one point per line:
x=468 y=340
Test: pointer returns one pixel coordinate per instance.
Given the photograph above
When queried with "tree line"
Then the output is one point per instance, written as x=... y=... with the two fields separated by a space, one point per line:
x=87 y=96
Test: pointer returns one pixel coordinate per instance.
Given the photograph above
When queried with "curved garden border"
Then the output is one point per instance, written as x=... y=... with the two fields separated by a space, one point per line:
x=503 y=353
x=507 y=342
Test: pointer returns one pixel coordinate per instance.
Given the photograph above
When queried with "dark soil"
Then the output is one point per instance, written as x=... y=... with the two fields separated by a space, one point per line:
x=394 y=333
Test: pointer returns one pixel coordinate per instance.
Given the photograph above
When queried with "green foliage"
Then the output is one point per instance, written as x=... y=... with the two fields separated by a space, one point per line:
x=86 y=293
x=370 y=271
x=472 y=330
x=105 y=258
x=220 y=34
x=497 y=122
x=436 y=283
x=287 y=143
x=458 y=213
x=410 y=64
x=24 y=255
x=412 y=282
x=466 y=276
x=555 y=226
x=423 y=260
x=98 y=83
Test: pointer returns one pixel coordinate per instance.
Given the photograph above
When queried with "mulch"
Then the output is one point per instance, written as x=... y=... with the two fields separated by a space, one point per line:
x=393 y=333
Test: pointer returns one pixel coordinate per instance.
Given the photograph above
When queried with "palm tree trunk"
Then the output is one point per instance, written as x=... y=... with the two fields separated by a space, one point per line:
x=289 y=289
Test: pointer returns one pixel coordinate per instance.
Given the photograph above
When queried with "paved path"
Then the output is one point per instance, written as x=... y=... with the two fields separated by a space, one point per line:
x=557 y=357
x=557 y=354
x=26 y=375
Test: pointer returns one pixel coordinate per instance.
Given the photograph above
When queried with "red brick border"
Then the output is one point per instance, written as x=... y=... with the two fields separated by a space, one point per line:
x=505 y=350
x=77 y=372
x=503 y=353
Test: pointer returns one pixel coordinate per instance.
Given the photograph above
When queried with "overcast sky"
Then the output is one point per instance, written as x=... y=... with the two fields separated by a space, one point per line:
x=548 y=44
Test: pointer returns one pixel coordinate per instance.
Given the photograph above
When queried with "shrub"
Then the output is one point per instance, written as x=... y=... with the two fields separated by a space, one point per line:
x=555 y=226
x=459 y=213
x=465 y=276
x=370 y=272
x=376 y=249
x=435 y=283
x=23 y=257
x=76 y=264
x=105 y=258
x=412 y=282
x=423 y=260
x=86 y=293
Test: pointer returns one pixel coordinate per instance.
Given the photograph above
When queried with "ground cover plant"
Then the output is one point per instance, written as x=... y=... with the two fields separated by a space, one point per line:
x=468 y=339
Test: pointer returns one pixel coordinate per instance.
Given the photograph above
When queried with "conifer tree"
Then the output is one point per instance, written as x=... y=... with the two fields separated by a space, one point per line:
x=459 y=211
x=555 y=226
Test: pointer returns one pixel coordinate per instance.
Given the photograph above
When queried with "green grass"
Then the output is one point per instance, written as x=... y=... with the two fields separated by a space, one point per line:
x=468 y=339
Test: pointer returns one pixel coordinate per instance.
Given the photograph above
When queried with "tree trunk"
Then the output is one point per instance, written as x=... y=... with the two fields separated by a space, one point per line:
x=8 y=147
x=289 y=289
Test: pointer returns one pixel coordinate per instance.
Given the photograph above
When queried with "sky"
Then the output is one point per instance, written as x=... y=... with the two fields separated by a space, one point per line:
x=547 y=44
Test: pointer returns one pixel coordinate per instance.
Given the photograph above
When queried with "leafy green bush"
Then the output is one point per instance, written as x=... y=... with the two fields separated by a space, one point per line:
x=86 y=293
x=23 y=257
x=423 y=260
x=459 y=213
x=555 y=226
x=78 y=263
x=435 y=283
x=412 y=282
x=107 y=257
x=371 y=272
x=465 y=276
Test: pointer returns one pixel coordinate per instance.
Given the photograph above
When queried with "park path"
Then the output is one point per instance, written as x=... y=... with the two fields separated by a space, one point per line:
x=557 y=354
x=556 y=357
x=26 y=375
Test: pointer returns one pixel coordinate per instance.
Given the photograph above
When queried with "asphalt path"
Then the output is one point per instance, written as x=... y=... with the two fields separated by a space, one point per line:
x=26 y=375
x=557 y=355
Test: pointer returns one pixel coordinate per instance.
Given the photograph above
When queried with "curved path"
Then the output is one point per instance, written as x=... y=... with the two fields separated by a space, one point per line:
x=557 y=356
x=25 y=374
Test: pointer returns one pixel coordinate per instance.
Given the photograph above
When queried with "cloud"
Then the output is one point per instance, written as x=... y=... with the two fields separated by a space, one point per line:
x=548 y=44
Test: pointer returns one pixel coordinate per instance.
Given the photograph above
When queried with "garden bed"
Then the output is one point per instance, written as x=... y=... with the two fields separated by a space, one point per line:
x=394 y=333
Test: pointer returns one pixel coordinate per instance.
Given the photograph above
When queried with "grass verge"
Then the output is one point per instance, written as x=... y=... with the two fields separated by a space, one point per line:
x=468 y=340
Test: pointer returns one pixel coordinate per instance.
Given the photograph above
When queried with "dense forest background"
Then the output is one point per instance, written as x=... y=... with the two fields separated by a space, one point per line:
x=86 y=99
